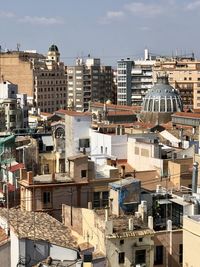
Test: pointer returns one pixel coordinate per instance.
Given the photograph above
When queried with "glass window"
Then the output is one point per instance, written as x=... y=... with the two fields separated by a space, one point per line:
x=121 y=257
x=158 y=255
x=140 y=256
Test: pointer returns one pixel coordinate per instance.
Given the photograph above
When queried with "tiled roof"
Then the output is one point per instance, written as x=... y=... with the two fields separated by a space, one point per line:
x=72 y=113
x=120 y=112
x=3 y=236
x=187 y=115
x=119 y=107
x=39 y=226
x=16 y=167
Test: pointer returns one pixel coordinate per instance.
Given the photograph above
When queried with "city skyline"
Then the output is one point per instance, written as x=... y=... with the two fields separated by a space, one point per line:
x=110 y=30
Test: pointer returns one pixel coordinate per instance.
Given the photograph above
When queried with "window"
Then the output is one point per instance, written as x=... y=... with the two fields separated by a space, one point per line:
x=47 y=203
x=101 y=149
x=46 y=168
x=140 y=239
x=140 y=256
x=121 y=242
x=105 y=198
x=121 y=257
x=83 y=173
x=158 y=255
x=180 y=253
x=96 y=199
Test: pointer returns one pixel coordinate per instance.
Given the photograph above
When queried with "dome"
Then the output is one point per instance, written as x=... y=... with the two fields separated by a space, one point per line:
x=53 y=48
x=162 y=97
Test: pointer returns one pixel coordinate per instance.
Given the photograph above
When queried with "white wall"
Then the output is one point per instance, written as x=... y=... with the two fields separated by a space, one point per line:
x=76 y=127
x=14 y=246
x=112 y=145
x=143 y=163
x=62 y=254
x=8 y=90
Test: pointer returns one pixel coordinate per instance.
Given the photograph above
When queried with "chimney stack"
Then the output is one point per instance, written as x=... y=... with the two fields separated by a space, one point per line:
x=30 y=177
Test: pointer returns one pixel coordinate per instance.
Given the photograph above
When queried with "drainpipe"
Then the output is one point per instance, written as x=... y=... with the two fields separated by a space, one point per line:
x=194 y=177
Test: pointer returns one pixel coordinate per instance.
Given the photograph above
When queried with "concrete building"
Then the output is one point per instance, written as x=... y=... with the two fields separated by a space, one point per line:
x=77 y=138
x=110 y=145
x=124 y=241
x=13 y=106
x=89 y=81
x=134 y=79
x=184 y=75
x=85 y=182
x=46 y=239
x=42 y=78
x=191 y=240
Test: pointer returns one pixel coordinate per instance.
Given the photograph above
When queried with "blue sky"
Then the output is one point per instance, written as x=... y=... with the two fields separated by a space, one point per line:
x=109 y=29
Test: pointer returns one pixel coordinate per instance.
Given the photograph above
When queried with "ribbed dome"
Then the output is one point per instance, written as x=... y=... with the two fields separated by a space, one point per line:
x=162 y=97
x=53 y=48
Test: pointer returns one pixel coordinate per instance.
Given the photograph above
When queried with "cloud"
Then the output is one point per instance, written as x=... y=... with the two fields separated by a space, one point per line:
x=4 y=14
x=144 y=10
x=41 y=20
x=144 y=28
x=192 y=5
x=112 y=16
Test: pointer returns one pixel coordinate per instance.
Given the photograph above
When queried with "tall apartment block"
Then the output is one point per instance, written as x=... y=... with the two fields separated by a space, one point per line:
x=89 y=81
x=42 y=78
x=184 y=75
x=13 y=107
x=134 y=78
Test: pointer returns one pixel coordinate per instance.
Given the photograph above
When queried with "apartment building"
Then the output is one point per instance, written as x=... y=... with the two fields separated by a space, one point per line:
x=89 y=81
x=184 y=75
x=134 y=78
x=13 y=107
x=41 y=77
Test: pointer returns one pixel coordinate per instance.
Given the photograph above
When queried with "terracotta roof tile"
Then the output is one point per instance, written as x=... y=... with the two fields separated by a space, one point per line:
x=39 y=226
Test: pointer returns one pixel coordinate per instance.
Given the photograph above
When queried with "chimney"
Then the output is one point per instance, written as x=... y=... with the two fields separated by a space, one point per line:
x=130 y=224
x=23 y=174
x=123 y=171
x=30 y=177
x=195 y=177
x=150 y=222
x=53 y=177
x=106 y=214
x=169 y=225
x=90 y=205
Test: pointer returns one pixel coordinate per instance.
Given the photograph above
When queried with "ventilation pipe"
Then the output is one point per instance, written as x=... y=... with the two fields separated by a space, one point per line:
x=194 y=177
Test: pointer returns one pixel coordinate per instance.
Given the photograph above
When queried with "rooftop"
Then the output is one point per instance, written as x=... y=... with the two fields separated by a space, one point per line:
x=38 y=226
x=72 y=113
x=187 y=115
x=121 y=226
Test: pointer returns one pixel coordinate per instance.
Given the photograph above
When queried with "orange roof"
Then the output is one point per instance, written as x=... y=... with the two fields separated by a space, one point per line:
x=187 y=115
x=120 y=112
x=121 y=107
x=45 y=114
x=16 y=167
x=72 y=112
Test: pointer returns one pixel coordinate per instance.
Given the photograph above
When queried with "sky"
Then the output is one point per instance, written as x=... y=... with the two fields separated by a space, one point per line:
x=109 y=29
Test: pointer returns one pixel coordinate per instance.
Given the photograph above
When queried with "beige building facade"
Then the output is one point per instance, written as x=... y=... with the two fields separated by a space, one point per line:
x=42 y=78
x=184 y=75
x=191 y=241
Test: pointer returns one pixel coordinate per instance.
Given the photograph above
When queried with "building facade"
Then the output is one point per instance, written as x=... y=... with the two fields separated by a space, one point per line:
x=41 y=77
x=134 y=78
x=184 y=75
x=89 y=81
